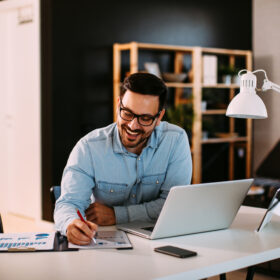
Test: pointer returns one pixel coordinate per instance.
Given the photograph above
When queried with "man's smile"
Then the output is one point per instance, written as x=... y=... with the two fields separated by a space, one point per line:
x=132 y=134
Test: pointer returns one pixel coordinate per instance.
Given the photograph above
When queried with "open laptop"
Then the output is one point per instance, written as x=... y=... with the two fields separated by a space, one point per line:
x=194 y=209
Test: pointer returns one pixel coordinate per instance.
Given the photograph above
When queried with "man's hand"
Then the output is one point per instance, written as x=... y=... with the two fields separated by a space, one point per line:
x=101 y=214
x=81 y=233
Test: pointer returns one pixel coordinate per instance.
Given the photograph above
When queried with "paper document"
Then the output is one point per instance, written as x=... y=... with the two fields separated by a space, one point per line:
x=107 y=240
x=27 y=241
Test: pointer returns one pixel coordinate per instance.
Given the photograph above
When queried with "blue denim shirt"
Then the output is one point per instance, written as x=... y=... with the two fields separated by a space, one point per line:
x=135 y=185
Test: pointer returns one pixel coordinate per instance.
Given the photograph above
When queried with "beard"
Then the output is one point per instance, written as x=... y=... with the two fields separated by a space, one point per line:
x=133 y=138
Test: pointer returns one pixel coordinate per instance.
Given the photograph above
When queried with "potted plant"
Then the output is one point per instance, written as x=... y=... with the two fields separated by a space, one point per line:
x=235 y=78
x=226 y=72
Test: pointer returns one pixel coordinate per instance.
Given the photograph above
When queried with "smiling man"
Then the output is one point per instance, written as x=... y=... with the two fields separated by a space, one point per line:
x=128 y=166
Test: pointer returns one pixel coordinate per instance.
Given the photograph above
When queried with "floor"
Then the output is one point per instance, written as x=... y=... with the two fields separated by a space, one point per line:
x=241 y=274
x=17 y=223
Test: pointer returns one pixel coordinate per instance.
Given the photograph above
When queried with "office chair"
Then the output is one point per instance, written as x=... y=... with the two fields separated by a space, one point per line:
x=1 y=225
x=55 y=193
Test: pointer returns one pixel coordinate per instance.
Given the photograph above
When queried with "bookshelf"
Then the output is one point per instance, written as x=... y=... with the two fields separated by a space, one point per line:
x=196 y=86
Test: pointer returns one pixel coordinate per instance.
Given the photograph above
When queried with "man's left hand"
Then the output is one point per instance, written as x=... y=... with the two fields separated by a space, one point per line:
x=101 y=214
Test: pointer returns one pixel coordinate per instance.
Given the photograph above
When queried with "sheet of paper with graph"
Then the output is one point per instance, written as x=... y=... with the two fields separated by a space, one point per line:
x=29 y=241
x=107 y=240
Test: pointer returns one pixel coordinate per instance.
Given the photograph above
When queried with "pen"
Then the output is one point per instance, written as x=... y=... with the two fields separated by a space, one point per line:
x=83 y=220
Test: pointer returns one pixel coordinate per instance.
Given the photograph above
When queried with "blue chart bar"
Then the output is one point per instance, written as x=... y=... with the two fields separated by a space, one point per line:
x=19 y=244
x=40 y=241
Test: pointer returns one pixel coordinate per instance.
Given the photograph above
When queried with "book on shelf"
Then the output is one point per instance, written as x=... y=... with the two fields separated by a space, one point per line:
x=210 y=69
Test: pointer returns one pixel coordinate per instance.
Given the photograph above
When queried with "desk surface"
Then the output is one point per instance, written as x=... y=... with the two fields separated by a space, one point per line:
x=218 y=252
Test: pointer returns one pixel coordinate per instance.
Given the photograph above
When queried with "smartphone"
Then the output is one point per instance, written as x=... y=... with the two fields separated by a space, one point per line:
x=175 y=251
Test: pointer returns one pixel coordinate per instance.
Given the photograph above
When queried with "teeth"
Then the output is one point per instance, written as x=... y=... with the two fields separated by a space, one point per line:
x=132 y=133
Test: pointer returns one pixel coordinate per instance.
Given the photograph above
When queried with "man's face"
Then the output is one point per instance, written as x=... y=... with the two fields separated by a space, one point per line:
x=134 y=135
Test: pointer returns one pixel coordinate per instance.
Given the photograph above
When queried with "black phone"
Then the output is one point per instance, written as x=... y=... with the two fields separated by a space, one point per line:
x=175 y=251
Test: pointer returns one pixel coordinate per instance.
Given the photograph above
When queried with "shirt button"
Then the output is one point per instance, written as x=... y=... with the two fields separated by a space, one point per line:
x=157 y=181
x=139 y=180
x=139 y=158
x=133 y=195
x=111 y=190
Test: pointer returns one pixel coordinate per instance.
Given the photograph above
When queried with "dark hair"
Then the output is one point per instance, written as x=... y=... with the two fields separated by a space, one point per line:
x=146 y=84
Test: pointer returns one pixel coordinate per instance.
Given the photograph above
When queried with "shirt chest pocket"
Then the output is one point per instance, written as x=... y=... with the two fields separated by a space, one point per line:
x=150 y=186
x=111 y=194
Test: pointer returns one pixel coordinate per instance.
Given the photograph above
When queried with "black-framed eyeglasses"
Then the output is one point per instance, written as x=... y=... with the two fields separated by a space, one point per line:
x=145 y=120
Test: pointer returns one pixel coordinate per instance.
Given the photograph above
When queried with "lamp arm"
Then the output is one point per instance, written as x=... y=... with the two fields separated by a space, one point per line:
x=261 y=70
x=269 y=85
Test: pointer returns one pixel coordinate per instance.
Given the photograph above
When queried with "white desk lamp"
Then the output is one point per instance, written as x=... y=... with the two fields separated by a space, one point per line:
x=247 y=104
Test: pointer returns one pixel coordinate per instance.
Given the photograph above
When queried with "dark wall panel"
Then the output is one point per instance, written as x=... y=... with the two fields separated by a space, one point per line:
x=83 y=33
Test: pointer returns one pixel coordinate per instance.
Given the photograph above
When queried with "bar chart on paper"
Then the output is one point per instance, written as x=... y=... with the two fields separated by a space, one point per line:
x=107 y=240
x=36 y=241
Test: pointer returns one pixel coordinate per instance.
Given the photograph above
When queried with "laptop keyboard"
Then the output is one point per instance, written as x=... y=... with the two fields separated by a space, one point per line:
x=148 y=228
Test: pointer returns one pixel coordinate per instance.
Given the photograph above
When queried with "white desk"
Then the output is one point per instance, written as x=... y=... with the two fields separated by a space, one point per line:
x=218 y=252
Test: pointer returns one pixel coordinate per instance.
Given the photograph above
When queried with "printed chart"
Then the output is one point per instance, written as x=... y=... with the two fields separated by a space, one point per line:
x=107 y=240
x=26 y=241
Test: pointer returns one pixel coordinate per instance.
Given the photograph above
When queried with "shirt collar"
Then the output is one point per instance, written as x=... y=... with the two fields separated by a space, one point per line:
x=117 y=143
x=152 y=141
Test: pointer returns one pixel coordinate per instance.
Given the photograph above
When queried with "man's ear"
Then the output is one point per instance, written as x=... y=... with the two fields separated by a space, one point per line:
x=160 y=116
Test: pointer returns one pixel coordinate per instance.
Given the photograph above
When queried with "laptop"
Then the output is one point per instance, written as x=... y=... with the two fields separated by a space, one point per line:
x=194 y=209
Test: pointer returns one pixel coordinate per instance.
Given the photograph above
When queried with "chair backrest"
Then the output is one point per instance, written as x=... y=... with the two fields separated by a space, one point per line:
x=55 y=193
x=1 y=225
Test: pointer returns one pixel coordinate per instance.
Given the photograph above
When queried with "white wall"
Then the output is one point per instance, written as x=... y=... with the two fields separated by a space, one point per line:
x=266 y=49
x=20 y=148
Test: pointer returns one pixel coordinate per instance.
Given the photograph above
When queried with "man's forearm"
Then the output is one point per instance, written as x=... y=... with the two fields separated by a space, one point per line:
x=147 y=211
x=63 y=216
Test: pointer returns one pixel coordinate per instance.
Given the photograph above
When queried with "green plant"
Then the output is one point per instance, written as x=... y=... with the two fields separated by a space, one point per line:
x=181 y=115
x=227 y=70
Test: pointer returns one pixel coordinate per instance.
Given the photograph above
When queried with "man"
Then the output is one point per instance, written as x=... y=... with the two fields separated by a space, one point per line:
x=128 y=166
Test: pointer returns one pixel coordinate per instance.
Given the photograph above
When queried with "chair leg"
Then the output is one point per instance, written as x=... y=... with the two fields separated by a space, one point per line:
x=250 y=272
x=223 y=276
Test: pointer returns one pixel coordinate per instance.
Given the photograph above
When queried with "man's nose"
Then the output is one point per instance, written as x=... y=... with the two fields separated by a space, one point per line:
x=133 y=124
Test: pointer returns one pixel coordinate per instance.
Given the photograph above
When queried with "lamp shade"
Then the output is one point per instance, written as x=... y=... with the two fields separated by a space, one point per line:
x=247 y=104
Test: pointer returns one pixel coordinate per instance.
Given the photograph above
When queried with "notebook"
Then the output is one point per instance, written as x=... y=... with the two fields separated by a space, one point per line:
x=194 y=209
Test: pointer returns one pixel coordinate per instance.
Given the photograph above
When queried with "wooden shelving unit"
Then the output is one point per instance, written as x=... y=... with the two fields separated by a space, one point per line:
x=196 y=86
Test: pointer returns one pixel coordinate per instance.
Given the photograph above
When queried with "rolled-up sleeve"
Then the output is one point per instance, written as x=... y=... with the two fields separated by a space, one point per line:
x=76 y=186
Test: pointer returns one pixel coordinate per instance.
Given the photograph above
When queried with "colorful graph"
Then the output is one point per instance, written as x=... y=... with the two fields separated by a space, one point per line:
x=37 y=241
